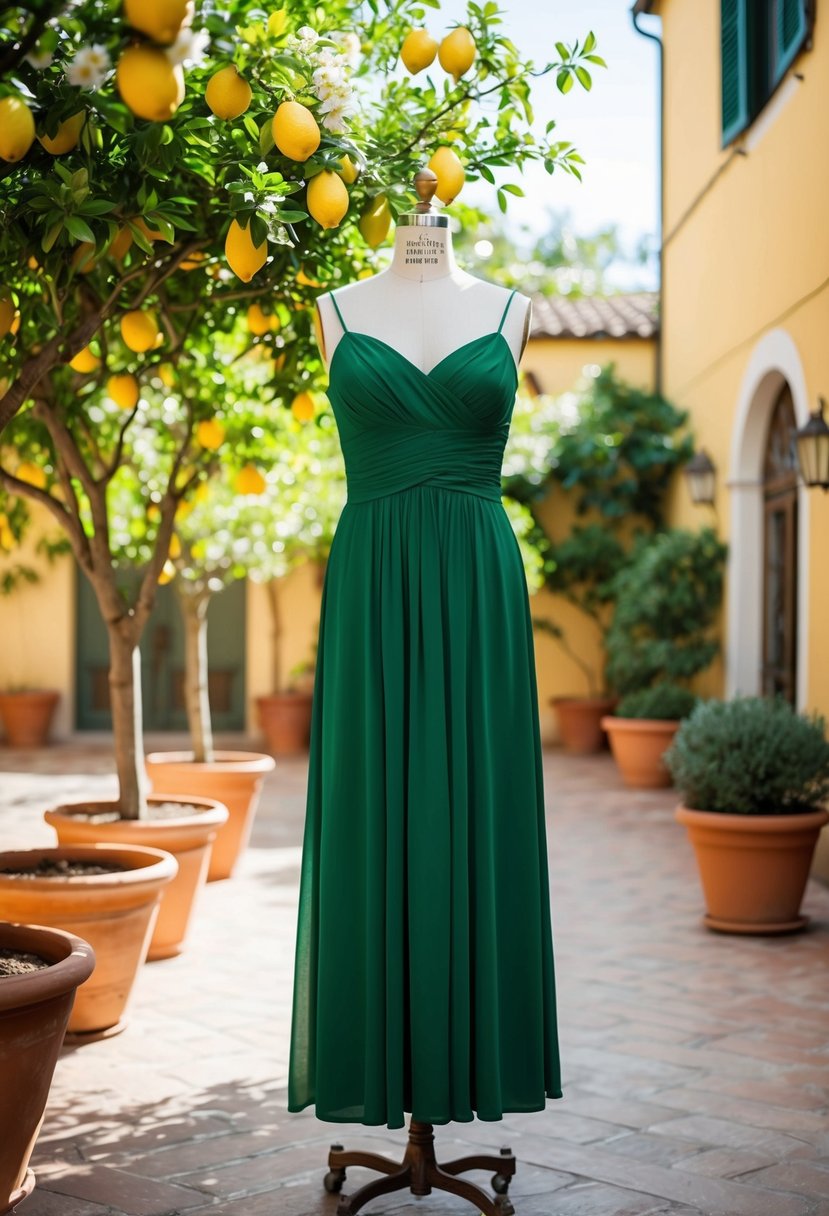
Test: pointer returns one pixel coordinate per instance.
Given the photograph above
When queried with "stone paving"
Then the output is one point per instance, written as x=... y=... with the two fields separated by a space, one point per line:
x=695 y=1065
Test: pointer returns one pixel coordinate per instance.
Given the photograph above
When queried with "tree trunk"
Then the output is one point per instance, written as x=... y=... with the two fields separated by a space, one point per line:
x=196 y=699
x=125 y=698
x=276 y=636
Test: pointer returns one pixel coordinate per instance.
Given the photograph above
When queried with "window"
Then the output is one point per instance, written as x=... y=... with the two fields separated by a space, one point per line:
x=759 y=39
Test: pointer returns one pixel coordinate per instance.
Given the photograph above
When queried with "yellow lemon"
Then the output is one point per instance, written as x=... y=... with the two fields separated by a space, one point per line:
x=258 y=322
x=295 y=130
x=15 y=326
x=161 y=19
x=175 y=545
x=7 y=314
x=166 y=374
x=418 y=50
x=124 y=390
x=303 y=407
x=210 y=434
x=168 y=573
x=375 y=221
x=194 y=260
x=304 y=281
x=449 y=172
x=228 y=94
x=83 y=259
x=66 y=137
x=457 y=52
x=348 y=171
x=17 y=128
x=243 y=257
x=139 y=329
x=279 y=362
x=32 y=474
x=6 y=537
x=249 y=481
x=151 y=86
x=201 y=491
x=121 y=243
x=152 y=234
x=327 y=198
x=85 y=361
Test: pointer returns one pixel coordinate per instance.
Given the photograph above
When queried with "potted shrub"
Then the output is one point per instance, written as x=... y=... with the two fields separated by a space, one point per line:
x=753 y=775
x=107 y=896
x=641 y=729
x=27 y=715
x=613 y=450
x=666 y=599
x=242 y=526
x=40 y=972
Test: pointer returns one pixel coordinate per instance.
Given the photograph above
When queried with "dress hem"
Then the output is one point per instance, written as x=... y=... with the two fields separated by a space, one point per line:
x=433 y=1120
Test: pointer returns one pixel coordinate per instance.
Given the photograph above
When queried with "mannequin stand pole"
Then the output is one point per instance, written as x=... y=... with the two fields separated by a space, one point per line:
x=421 y=1173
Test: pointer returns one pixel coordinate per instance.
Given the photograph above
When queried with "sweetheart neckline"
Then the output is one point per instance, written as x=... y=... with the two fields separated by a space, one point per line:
x=356 y=333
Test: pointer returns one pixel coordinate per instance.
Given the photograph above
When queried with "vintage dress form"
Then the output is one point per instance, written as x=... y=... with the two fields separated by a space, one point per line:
x=424 y=979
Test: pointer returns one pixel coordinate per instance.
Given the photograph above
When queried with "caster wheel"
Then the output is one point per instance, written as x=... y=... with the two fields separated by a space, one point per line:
x=500 y=1184
x=333 y=1181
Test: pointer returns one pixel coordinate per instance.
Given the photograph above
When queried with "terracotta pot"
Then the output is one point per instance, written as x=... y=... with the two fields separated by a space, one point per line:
x=189 y=838
x=638 y=745
x=27 y=716
x=285 y=718
x=34 y=1011
x=579 y=722
x=114 y=912
x=234 y=778
x=753 y=868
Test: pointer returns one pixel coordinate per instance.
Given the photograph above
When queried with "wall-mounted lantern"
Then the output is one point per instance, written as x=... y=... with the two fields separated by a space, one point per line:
x=813 y=449
x=701 y=474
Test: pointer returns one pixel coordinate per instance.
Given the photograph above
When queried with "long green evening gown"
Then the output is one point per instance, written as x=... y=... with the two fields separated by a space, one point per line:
x=424 y=977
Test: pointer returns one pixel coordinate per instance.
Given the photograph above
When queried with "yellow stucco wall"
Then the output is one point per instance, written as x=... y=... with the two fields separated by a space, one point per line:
x=37 y=623
x=746 y=277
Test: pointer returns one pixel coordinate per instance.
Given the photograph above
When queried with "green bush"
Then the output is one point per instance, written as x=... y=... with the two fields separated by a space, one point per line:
x=667 y=597
x=750 y=756
x=666 y=702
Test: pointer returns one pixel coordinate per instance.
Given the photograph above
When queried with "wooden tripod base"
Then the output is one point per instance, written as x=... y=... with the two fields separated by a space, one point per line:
x=420 y=1172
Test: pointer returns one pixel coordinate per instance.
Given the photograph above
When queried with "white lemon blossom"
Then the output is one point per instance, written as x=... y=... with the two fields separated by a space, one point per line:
x=304 y=39
x=39 y=59
x=189 y=47
x=350 y=45
x=89 y=67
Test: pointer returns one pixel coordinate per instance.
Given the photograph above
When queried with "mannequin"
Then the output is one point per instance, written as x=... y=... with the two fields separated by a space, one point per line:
x=424 y=305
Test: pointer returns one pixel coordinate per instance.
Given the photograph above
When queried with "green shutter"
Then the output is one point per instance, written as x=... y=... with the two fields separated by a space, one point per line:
x=789 y=32
x=733 y=58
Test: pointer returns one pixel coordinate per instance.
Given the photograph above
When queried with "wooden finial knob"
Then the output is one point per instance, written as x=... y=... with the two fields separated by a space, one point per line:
x=425 y=184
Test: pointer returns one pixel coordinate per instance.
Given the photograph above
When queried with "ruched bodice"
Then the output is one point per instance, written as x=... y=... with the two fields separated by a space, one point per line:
x=400 y=426
x=424 y=979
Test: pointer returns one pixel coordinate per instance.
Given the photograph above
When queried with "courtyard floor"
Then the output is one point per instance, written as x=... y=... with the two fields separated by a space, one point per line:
x=695 y=1065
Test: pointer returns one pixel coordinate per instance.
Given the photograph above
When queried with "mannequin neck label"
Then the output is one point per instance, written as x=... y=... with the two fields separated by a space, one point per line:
x=421 y=249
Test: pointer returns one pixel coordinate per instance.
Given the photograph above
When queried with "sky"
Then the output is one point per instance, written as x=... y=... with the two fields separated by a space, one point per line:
x=615 y=126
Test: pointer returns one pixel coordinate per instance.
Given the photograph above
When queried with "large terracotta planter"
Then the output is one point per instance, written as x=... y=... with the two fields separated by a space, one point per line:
x=114 y=912
x=638 y=745
x=580 y=722
x=189 y=838
x=285 y=718
x=753 y=868
x=27 y=716
x=34 y=1011
x=233 y=778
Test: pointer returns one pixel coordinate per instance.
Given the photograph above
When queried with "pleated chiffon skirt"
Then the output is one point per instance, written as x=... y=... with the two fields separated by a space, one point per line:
x=424 y=979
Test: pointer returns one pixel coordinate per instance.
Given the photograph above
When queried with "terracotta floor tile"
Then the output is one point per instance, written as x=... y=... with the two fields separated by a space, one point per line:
x=695 y=1065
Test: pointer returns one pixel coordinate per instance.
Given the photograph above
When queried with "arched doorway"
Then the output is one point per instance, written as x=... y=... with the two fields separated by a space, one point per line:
x=767 y=591
x=779 y=667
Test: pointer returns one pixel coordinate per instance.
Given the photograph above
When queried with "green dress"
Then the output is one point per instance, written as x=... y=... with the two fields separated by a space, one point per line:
x=424 y=979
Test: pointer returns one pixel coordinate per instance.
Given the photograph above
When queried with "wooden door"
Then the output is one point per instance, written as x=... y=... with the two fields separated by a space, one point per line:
x=162 y=661
x=779 y=666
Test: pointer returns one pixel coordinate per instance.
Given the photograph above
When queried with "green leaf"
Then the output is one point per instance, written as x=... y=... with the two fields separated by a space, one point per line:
x=584 y=76
x=564 y=81
x=502 y=201
x=562 y=50
x=78 y=229
x=516 y=190
x=51 y=236
x=589 y=42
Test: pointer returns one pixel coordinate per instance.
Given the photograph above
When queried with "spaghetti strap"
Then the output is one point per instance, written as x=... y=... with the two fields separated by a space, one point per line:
x=504 y=314
x=339 y=314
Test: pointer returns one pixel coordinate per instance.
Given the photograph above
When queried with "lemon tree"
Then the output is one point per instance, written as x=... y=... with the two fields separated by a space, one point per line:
x=136 y=240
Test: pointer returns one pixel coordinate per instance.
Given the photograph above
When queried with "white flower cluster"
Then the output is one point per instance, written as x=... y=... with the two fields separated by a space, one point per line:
x=89 y=68
x=330 y=77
